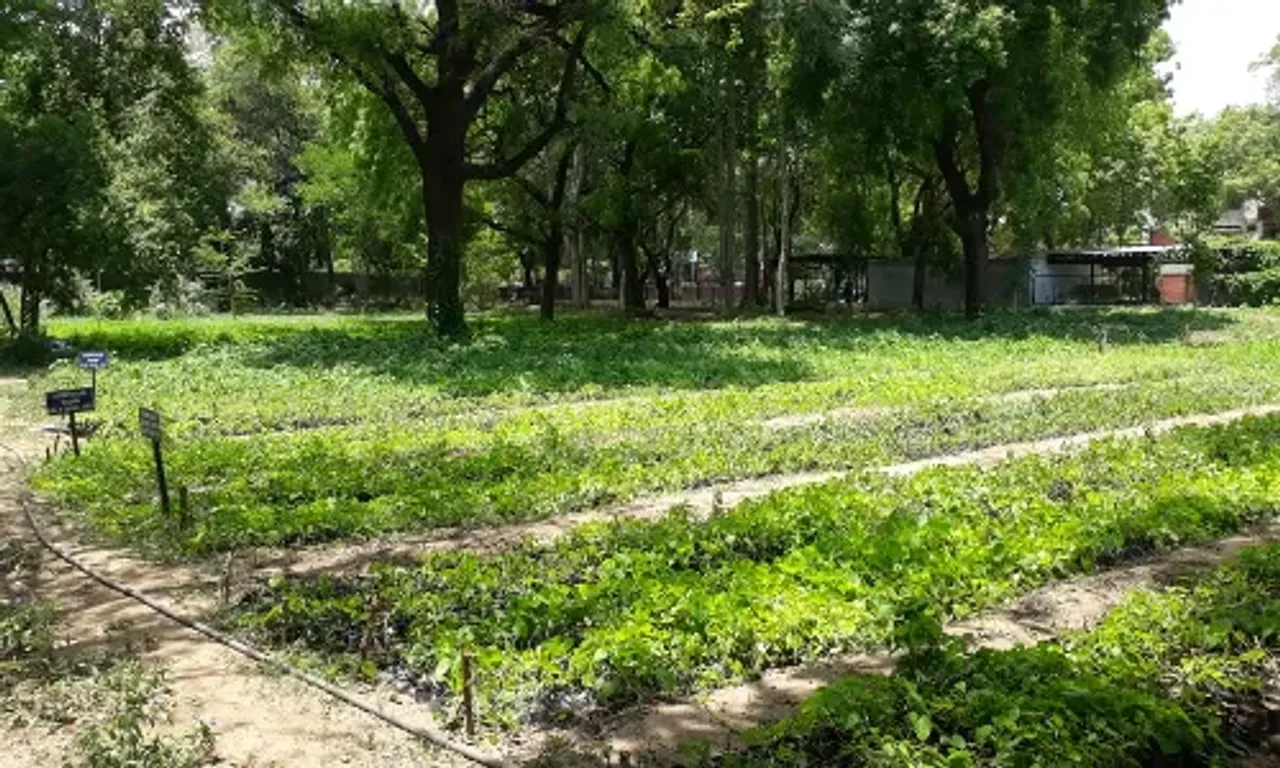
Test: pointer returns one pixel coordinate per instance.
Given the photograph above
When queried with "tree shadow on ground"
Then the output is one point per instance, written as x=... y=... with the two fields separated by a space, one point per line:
x=1115 y=325
x=511 y=352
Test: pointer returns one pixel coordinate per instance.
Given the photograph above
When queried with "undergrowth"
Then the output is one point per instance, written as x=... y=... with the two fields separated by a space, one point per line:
x=118 y=711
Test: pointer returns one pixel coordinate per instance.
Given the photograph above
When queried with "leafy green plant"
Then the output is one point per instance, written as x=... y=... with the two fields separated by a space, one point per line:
x=619 y=612
x=122 y=733
x=1170 y=678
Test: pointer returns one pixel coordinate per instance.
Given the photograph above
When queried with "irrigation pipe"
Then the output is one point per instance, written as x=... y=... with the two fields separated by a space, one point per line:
x=433 y=736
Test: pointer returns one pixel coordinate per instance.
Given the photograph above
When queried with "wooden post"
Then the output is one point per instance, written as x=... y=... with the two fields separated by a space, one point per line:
x=75 y=440
x=160 y=479
x=468 y=695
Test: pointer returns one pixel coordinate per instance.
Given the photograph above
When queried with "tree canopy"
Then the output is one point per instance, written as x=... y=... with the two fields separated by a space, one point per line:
x=200 y=147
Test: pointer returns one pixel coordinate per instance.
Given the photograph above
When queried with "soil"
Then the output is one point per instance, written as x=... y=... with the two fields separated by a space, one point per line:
x=258 y=719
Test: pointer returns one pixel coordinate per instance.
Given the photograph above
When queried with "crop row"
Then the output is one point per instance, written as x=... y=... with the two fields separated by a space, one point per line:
x=357 y=481
x=620 y=612
x=1170 y=678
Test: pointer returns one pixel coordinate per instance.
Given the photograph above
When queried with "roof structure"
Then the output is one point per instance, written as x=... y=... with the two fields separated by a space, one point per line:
x=1120 y=256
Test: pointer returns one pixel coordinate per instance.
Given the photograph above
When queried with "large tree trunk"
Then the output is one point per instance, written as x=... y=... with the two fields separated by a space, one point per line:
x=632 y=287
x=664 y=290
x=782 y=290
x=973 y=235
x=444 y=257
x=29 y=304
x=576 y=239
x=442 y=194
x=919 y=277
x=972 y=206
x=551 y=278
x=554 y=243
x=8 y=314
x=660 y=268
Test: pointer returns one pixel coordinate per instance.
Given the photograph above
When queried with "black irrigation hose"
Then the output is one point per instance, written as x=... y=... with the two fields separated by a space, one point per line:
x=435 y=737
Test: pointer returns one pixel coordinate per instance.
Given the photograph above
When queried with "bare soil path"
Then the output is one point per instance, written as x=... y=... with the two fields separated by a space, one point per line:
x=258 y=719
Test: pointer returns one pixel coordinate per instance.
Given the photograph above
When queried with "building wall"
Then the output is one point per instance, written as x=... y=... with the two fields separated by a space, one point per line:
x=889 y=285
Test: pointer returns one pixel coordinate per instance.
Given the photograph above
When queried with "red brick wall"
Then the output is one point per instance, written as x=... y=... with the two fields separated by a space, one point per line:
x=1175 y=290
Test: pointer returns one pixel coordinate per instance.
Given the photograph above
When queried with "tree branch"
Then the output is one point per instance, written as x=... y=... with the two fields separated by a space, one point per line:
x=601 y=81
x=498 y=66
x=383 y=90
x=508 y=167
x=532 y=190
x=944 y=150
x=519 y=234
x=989 y=150
x=425 y=94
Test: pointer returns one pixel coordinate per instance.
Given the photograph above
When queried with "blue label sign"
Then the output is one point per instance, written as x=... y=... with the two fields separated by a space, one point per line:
x=64 y=401
x=94 y=361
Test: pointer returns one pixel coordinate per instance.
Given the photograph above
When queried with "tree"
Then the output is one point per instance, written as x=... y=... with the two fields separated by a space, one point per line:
x=439 y=69
x=982 y=77
x=102 y=151
x=1117 y=165
x=267 y=118
x=1249 y=140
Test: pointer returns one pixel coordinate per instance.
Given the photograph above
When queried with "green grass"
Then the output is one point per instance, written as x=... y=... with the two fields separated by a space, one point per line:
x=1170 y=678
x=303 y=429
x=617 y=613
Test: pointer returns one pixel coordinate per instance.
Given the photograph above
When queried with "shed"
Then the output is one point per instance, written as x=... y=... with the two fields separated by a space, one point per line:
x=1138 y=274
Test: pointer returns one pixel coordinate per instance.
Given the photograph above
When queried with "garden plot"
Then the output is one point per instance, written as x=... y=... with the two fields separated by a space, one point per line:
x=1184 y=675
x=427 y=439
x=697 y=503
x=723 y=717
x=616 y=614
x=372 y=480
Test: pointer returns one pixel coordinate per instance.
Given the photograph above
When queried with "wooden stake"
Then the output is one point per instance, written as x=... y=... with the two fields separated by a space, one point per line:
x=160 y=478
x=468 y=695
x=75 y=440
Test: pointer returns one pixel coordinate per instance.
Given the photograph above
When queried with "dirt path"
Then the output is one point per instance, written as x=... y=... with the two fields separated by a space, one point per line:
x=259 y=719
x=718 y=717
x=701 y=502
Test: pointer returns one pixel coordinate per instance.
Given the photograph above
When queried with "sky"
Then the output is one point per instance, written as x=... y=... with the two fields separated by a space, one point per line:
x=1217 y=40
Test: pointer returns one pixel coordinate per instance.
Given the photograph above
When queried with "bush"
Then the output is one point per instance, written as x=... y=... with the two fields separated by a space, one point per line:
x=1242 y=273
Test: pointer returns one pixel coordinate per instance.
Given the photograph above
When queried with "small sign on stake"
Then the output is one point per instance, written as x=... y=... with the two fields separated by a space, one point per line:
x=93 y=362
x=69 y=402
x=151 y=427
x=149 y=424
